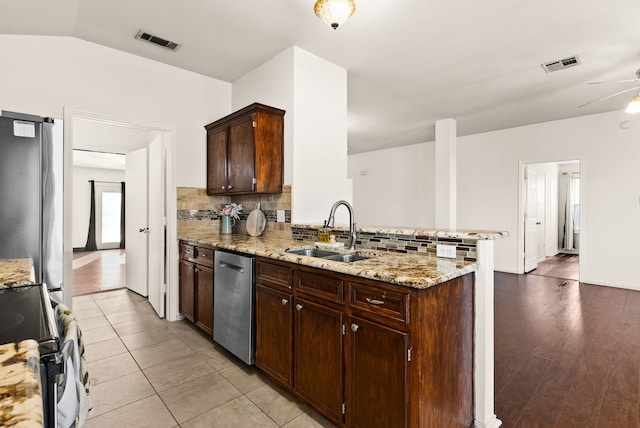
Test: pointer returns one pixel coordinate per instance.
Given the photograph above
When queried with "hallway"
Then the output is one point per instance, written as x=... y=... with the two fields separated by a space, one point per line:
x=97 y=271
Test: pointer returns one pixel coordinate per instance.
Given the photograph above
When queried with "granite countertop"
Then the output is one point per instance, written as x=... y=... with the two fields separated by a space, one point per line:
x=415 y=271
x=15 y=272
x=20 y=399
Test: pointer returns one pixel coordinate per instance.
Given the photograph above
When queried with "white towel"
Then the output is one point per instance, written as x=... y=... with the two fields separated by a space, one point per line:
x=74 y=402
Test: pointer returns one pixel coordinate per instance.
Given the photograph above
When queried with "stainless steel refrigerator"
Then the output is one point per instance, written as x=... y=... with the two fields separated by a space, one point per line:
x=31 y=195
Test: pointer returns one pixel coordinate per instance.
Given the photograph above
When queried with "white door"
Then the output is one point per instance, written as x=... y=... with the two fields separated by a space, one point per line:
x=532 y=220
x=136 y=222
x=156 y=226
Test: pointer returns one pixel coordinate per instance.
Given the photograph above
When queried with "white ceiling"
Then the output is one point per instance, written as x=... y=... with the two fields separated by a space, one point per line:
x=99 y=144
x=409 y=62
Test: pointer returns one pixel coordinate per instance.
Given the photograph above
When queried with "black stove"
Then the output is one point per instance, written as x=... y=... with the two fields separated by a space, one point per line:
x=26 y=312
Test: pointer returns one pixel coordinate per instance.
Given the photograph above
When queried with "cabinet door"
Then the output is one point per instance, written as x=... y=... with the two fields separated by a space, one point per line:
x=318 y=354
x=186 y=286
x=204 y=298
x=274 y=334
x=377 y=375
x=217 y=181
x=241 y=156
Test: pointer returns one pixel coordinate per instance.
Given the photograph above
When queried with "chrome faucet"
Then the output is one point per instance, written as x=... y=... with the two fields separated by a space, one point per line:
x=352 y=224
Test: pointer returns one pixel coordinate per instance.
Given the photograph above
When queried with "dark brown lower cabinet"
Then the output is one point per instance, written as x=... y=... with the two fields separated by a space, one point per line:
x=368 y=354
x=318 y=357
x=187 y=290
x=204 y=298
x=196 y=285
x=274 y=336
x=378 y=375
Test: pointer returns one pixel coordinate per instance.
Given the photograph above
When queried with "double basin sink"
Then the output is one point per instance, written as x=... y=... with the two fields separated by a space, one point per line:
x=328 y=255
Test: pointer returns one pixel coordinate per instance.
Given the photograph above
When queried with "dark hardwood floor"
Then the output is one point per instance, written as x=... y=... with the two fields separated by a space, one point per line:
x=567 y=354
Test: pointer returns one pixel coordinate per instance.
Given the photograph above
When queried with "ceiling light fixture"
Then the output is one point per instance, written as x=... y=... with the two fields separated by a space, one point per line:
x=334 y=12
x=634 y=104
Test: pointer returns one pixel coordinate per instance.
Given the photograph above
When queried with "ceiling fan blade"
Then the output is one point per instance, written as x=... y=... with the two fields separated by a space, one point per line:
x=611 y=96
x=614 y=81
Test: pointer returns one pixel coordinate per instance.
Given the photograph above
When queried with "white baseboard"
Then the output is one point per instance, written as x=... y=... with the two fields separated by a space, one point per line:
x=493 y=422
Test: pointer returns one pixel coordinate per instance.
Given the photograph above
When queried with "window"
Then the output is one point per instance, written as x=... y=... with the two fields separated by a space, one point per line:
x=108 y=204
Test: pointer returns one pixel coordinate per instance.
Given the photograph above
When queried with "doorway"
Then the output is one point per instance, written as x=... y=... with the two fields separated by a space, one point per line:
x=551 y=221
x=104 y=134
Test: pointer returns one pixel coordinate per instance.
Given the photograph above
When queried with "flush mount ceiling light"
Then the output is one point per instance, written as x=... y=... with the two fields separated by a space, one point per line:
x=634 y=104
x=334 y=12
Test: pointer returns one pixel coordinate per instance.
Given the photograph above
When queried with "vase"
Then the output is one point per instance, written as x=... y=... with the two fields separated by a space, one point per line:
x=226 y=224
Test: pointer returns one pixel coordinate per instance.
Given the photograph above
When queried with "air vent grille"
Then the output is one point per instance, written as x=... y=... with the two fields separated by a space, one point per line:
x=561 y=64
x=142 y=35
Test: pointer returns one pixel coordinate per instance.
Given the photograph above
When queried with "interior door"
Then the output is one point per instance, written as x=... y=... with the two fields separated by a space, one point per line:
x=136 y=223
x=156 y=225
x=532 y=220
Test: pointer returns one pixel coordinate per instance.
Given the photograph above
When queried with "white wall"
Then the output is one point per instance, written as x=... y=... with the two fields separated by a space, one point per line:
x=488 y=188
x=43 y=74
x=82 y=199
x=320 y=139
x=314 y=94
x=398 y=188
x=271 y=84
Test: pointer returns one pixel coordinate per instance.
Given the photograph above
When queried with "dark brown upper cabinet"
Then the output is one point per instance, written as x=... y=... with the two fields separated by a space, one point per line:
x=245 y=151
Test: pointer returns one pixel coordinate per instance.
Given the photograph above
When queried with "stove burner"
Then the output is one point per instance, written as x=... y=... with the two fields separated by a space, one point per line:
x=10 y=321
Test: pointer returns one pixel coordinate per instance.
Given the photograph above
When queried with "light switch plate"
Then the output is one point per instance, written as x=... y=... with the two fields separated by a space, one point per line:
x=280 y=216
x=448 y=251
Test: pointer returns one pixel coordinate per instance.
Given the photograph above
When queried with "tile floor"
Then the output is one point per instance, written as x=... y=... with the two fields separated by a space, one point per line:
x=148 y=372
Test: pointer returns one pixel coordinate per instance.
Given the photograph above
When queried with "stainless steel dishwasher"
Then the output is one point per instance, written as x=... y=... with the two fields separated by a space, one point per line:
x=233 y=304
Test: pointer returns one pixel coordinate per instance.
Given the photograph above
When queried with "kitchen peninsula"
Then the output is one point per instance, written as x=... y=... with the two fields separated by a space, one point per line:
x=409 y=324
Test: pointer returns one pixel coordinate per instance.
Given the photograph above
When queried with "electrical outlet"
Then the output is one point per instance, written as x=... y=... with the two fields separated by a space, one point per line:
x=280 y=216
x=448 y=251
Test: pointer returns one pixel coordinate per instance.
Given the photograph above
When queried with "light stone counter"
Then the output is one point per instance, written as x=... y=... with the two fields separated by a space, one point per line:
x=20 y=397
x=416 y=271
x=15 y=272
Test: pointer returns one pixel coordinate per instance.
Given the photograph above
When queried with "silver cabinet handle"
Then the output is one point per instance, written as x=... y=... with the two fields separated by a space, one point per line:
x=230 y=187
x=285 y=301
x=299 y=307
x=374 y=301
x=354 y=327
x=224 y=187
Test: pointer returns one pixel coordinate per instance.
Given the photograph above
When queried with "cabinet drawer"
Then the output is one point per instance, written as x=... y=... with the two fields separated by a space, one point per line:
x=379 y=302
x=204 y=256
x=325 y=287
x=272 y=275
x=187 y=252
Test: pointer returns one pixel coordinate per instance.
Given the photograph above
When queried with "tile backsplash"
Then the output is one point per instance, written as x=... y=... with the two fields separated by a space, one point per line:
x=465 y=248
x=194 y=205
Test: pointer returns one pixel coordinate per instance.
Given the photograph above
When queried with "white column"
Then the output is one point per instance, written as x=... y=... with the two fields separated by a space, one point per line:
x=445 y=155
x=485 y=416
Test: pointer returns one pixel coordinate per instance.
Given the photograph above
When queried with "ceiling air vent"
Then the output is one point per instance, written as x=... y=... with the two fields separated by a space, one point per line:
x=142 y=35
x=561 y=64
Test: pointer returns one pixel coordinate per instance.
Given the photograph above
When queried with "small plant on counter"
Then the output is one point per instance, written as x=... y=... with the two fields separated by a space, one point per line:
x=232 y=210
